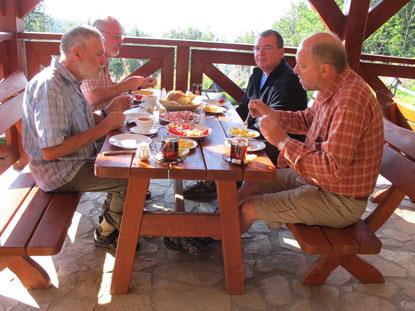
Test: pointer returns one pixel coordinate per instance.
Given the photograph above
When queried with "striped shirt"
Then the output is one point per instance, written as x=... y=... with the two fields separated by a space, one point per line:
x=104 y=80
x=54 y=108
x=343 y=149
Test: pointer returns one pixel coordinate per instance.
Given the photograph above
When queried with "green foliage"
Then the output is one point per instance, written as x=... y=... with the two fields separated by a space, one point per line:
x=249 y=37
x=396 y=37
x=190 y=34
x=297 y=23
x=38 y=20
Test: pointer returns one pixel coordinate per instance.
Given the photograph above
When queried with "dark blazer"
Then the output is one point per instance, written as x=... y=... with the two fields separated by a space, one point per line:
x=281 y=91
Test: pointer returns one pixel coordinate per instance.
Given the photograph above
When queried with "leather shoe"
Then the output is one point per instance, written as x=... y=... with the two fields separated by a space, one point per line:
x=148 y=195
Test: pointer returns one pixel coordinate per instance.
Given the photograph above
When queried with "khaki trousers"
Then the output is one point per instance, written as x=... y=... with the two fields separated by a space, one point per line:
x=116 y=188
x=290 y=200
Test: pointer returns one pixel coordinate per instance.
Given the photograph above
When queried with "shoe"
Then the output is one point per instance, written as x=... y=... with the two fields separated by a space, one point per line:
x=109 y=241
x=192 y=246
x=200 y=190
x=148 y=195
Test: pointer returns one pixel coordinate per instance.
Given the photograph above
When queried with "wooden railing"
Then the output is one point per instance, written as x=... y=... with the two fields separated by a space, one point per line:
x=184 y=62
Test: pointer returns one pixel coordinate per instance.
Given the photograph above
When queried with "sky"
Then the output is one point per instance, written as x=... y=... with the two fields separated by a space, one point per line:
x=225 y=18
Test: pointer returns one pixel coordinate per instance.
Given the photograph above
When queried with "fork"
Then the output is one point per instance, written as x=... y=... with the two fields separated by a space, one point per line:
x=245 y=125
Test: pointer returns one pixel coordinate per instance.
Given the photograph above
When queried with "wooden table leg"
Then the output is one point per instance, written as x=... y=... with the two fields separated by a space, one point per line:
x=231 y=237
x=128 y=237
x=178 y=196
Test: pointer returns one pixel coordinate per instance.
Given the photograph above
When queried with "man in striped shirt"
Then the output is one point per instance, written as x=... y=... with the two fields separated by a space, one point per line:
x=59 y=127
x=327 y=179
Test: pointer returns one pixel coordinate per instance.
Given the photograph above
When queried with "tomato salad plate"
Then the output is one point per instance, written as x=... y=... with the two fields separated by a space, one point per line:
x=186 y=130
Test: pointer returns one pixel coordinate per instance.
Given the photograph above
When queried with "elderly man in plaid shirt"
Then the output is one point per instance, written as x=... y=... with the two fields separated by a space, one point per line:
x=329 y=176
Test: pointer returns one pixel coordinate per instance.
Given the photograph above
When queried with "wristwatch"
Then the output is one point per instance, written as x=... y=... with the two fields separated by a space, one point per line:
x=282 y=143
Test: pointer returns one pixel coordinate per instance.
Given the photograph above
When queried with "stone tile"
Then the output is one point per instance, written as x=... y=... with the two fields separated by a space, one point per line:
x=408 y=287
x=251 y=300
x=326 y=298
x=259 y=245
x=197 y=298
x=386 y=290
x=259 y=227
x=304 y=291
x=141 y=281
x=405 y=259
x=408 y=306
x=339 y=277
x=190 y=272
x=277 y=291
x=72 y=303
x=397 y=235
x=127 y=302
x=248 y=268
x=386 y=267
x=288 y=241
x=286 y=261
x=302 y=306
x=361 y=302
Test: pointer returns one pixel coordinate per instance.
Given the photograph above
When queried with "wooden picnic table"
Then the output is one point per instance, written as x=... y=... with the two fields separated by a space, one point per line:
x=205 y=162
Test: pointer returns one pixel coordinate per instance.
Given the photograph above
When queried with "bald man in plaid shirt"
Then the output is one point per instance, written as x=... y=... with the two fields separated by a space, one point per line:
x=327 y=179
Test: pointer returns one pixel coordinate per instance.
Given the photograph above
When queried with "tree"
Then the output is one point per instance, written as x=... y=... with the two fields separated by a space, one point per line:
x=190 y=34
x=297 y=23
x=38 y=20
x=395 y=37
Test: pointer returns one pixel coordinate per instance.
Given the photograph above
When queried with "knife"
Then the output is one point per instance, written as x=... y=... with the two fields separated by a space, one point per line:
x=118 y=152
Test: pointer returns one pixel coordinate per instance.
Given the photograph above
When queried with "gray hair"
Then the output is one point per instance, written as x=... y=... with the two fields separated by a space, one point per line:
x=331 y=52
x=276 y=34
x=102 y=22
x=78 y=36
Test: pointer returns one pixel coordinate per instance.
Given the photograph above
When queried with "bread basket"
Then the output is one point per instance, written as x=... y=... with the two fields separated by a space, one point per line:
x=175 y=106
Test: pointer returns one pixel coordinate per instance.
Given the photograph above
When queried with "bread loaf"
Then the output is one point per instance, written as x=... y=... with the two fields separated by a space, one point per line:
x=180 y=97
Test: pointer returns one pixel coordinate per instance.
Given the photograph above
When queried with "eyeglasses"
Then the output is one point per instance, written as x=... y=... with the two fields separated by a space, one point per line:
x=114 y=36
x=258 y=49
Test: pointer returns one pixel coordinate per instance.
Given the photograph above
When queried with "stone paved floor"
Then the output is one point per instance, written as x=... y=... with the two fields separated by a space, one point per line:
x=166 y=280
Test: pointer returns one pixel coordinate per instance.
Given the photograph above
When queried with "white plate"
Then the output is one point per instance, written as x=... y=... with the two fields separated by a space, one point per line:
x=215 y=102
x=128 y=141
x=132 y=114
x=152 y=131
x=194 y=126
x=253 y=145
x=172 y=113
x=190 y=141
x=214 y=109
x=253 y=133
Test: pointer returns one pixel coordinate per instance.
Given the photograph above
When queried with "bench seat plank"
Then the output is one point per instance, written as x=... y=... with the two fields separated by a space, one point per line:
x=311 y=239
x=19 y=231
x=342 y=241
x=13 y=196
x=52 y=228
x=368 y=242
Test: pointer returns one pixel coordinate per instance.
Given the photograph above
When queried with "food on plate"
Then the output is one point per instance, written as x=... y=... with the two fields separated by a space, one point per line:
x=184 y=129
x=143 y=92
x=186 y=143
x=180 y=97
x=179 y=116
x=161 y=110
x=211 y=108
x=221 y=101
x=237 y=131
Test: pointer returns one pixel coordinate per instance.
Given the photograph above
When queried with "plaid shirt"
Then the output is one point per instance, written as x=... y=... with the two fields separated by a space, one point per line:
x=343 y=149
x=54 y=109
x=104 y=80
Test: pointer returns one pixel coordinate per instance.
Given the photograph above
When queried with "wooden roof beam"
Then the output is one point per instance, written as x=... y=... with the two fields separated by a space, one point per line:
x=330 y=14
x=353 y=33
x=27 y=6
x=381 y=12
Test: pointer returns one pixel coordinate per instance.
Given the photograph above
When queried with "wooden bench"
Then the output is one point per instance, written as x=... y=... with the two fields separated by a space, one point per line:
x=397 y=110
x=340 y=247
x=32 y=222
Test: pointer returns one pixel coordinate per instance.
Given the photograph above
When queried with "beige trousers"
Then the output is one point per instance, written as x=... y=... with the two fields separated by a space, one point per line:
x=290 y=200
